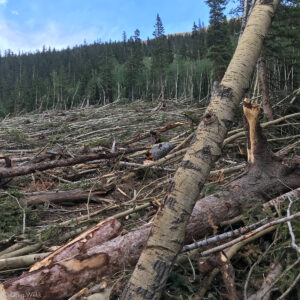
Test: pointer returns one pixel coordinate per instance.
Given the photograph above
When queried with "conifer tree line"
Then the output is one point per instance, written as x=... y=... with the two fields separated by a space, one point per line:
x=163 y=67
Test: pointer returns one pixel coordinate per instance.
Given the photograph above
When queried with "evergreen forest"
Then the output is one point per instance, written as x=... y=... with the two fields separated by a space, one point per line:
x=163 y=67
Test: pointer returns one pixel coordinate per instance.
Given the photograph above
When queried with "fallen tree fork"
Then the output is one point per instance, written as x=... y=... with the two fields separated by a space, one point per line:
x=167 y=234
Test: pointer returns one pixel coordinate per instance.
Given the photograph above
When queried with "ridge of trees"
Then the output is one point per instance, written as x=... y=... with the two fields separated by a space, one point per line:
x=168 y=66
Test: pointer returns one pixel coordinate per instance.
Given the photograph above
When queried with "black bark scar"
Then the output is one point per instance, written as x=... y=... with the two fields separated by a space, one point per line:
x=266 y=2
x=189 y=165
x=228 y=123
x=170 y=202
x=206 y=153
x=224 y=92
x=209 y=118
x=145 y=293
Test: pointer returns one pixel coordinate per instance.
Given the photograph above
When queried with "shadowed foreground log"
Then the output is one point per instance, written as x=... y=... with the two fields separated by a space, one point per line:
x=98 y=234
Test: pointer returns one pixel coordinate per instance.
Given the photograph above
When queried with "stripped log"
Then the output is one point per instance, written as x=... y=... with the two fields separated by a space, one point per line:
x=22 y=251
x=266 y=289
x=159 y=151
x=23 y=261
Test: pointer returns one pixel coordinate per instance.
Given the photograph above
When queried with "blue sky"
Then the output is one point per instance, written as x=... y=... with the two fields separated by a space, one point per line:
x=27 y=25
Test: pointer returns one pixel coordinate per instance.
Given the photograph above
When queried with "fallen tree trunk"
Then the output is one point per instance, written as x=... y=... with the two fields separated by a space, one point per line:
x=154 y=133
x=42 y=166
x=23 y=261
x=66 y=196
x=265 y=291
x=98 y=234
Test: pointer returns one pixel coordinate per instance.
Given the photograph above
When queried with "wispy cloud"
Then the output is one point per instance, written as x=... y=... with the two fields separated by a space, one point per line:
x=27 y=25
x=51 y=34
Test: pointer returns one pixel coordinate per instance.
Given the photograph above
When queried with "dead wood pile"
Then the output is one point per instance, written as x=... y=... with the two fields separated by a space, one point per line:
x=62 y=172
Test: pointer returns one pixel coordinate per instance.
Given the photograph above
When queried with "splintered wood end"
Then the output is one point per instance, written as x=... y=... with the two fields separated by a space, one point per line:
x=257 y=147
x=251 y=110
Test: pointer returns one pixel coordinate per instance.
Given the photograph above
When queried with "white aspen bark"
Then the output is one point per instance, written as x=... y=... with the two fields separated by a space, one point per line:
x=167 y=234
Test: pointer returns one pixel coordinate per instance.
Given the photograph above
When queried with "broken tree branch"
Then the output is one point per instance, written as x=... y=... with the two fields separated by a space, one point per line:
x=31 y=168
x=262 y=228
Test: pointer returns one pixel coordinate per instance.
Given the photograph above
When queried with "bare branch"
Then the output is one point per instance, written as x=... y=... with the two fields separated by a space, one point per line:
x=294 y=245
x=290 y=288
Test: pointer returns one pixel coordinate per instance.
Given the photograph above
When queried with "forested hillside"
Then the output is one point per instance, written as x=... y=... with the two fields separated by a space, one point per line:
x=165 y=66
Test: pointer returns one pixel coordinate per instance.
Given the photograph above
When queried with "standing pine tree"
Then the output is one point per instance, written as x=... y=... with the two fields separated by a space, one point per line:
x=134 y=64
x=198 y=41
x=124 y=37
x=161 y=55
x=195 y=28
x=106 y=75
x=194 y=44
x=158 y=27
x=123 y=56
x=218 y=39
